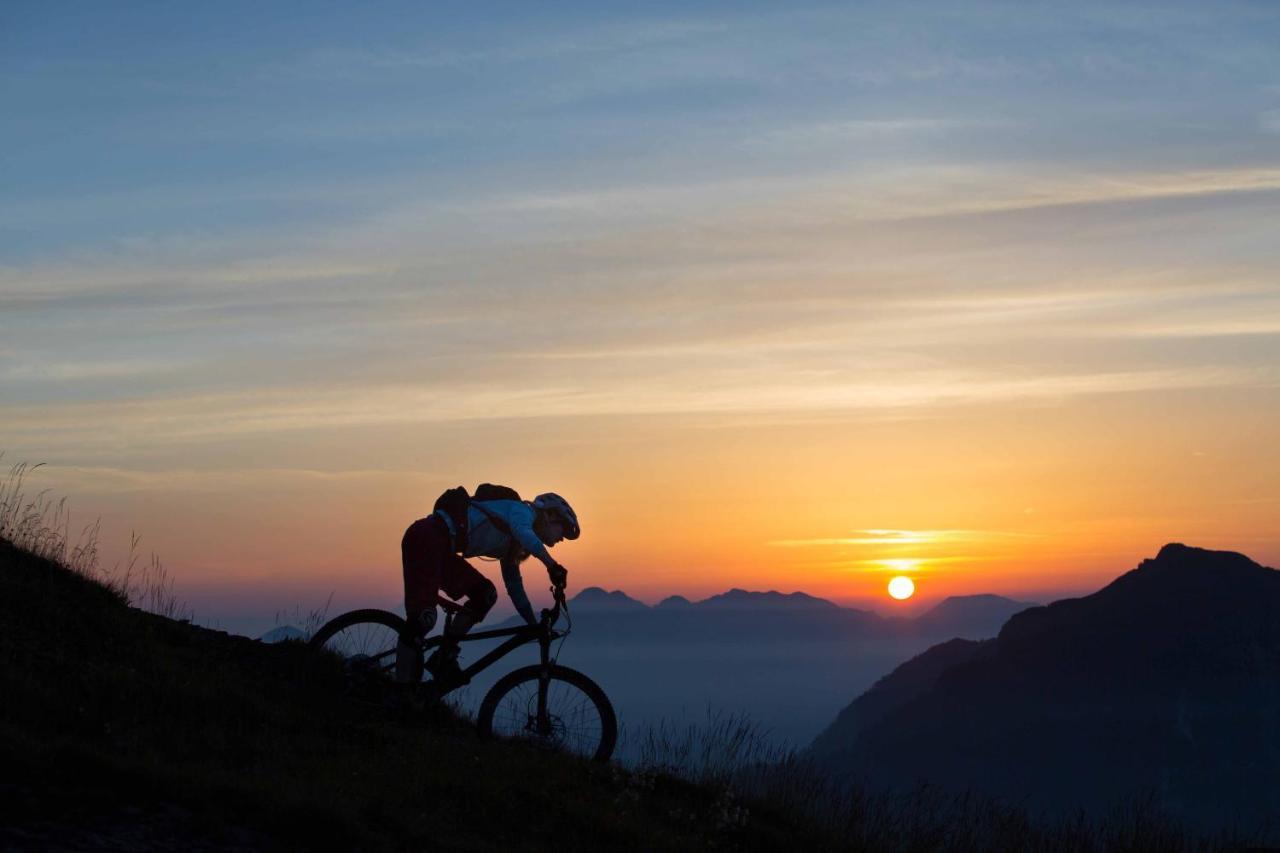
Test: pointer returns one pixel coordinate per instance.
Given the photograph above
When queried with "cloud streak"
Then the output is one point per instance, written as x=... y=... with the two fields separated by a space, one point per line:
x=903 y=537
x=190 y=419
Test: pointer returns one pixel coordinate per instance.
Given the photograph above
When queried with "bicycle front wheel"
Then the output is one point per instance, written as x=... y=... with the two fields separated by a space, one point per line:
x=567 y=711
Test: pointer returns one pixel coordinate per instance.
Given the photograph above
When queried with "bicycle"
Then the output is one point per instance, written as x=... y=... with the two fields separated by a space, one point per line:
x=552 y=705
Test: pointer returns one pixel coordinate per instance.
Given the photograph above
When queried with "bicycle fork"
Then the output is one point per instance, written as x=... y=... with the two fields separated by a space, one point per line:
x=543 y=722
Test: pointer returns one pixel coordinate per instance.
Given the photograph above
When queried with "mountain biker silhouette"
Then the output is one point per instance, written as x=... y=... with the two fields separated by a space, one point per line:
x=494 y=523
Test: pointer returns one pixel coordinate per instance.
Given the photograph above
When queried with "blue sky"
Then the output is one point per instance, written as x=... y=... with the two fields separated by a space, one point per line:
x=238 y=121
x=169 y=168
x=246 y=243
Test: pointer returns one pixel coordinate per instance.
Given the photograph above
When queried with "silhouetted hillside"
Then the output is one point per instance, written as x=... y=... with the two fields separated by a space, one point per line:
x=123 y=730
x=912 y=679
x=1166 y=681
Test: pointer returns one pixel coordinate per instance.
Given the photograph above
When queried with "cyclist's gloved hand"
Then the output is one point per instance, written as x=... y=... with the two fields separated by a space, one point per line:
x=559 y=574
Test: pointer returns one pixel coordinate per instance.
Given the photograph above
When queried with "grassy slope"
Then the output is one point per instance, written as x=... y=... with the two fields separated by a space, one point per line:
x=117 y=724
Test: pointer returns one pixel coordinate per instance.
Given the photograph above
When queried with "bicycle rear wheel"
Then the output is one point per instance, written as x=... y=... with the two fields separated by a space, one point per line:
x=366 y=641
x=578 y=716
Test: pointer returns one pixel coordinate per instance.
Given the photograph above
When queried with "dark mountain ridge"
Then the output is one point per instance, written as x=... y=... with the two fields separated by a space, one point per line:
x=598 y=598
x=741 y=599
x=790 y=615
x=1165 y=681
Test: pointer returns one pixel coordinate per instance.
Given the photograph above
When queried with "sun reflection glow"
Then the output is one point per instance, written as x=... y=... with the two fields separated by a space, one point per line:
x=900 y=564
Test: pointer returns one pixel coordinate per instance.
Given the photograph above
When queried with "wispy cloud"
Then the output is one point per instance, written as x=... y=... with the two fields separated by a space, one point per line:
x=96 y=480
x=1265 y=326
x=24 y=370
x=903 y=537
x=823 y=134
x=756 y=310
x=118 y=277
x=184 y=419
x=555 y=44
x=837 y=198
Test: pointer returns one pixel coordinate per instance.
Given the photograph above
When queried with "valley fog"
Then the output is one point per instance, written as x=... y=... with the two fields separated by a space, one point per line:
x=786 y=663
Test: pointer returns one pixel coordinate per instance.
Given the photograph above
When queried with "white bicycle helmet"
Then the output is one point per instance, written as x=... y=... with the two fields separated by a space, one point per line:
x=559 y=508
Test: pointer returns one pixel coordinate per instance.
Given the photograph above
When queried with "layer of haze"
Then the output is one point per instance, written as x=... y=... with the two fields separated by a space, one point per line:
x=986 y=294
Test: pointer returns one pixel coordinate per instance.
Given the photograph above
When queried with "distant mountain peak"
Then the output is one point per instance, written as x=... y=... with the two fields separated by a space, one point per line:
x=975 y=617
x=281 y=633
x=980 y=602
x=1175 y=550
x=1177 y=554
x=1186 y=572
x=744 y=598
x=675 y=601
x=1180 y=588
x=594 y=596
x=977 y=598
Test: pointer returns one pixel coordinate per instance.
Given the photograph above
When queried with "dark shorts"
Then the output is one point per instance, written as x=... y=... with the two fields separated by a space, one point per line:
x=431 y=565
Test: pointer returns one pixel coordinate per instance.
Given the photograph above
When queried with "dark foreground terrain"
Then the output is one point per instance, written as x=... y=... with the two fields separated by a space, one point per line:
x=123 y=730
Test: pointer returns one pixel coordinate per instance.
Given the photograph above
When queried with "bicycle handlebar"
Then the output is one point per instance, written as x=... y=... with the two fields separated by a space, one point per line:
x=550 y=616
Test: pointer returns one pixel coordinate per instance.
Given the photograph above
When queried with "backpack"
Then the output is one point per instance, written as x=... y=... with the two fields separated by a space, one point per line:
x=455 y=502
x=490 y=492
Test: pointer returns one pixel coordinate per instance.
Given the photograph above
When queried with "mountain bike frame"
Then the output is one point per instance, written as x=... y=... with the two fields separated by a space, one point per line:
x=543 y=633
x=522 y=703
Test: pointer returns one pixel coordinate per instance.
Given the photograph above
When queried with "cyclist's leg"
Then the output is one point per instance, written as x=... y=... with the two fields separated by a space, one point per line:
x=422 y=552
x=459 y=578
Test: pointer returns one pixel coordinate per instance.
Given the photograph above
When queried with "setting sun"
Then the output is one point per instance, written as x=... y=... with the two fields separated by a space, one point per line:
x=902 y=588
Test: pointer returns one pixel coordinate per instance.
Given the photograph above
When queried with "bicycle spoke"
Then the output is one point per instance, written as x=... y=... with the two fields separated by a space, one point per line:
x=573 y=718
x=369 y=643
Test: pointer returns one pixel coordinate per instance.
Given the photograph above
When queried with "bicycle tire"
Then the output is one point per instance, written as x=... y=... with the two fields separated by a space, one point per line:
x=596 y=746
x=369 y=644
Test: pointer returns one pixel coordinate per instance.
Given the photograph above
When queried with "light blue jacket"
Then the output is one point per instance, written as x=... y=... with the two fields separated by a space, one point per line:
x=484 y=539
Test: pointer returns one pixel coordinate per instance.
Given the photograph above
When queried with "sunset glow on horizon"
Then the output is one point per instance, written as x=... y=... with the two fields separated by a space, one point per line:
x=797 y=299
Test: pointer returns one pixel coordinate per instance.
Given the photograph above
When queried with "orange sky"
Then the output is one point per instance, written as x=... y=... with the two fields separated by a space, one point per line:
x=772 y=297
x=1030 y=500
